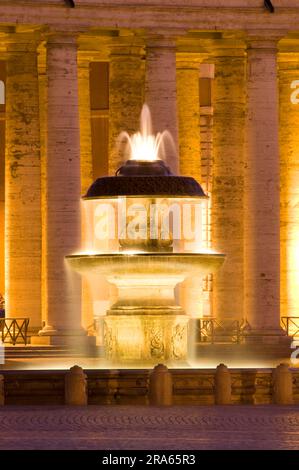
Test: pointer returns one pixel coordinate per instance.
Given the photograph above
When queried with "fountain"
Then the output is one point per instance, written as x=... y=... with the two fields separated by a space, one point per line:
x=145 y=228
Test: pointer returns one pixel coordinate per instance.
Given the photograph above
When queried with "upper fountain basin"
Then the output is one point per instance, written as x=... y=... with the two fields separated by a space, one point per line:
x=145 y=178
x=147 y=264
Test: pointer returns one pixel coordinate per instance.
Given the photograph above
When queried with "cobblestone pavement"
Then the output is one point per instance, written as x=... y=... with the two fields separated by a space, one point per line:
x=128 y=427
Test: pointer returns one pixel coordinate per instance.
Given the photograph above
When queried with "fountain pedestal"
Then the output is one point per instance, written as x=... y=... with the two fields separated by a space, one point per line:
x=145 y=324
x=146 y=339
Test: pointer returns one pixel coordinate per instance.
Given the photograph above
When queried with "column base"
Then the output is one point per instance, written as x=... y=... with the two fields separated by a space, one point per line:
x=34 y=330
x=75 y=339
x=73 y=342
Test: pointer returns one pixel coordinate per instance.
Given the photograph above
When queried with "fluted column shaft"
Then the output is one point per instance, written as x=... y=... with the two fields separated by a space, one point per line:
x=289 y=181
x=227 y=181
x=85 y=121
x=86 y=166
x=188 y=104
x=160 y=91
x=63 y=187
x=261 y=221
x=189 y=116
x=125 y=97
x=22 y=182
x=43 y=99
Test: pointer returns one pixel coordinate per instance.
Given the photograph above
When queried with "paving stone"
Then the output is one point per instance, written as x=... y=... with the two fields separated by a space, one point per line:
x=150 y=428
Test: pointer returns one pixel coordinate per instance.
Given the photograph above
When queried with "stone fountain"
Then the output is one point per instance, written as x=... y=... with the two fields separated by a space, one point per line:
x=145 y=228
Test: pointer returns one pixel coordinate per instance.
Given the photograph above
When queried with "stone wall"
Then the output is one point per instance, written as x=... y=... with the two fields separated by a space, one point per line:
x=130 y=387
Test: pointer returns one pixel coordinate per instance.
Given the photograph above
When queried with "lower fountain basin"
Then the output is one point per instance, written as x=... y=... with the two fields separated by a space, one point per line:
x=146 y=324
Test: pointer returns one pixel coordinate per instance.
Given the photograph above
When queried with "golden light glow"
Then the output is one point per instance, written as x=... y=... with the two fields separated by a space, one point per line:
x=293 y=273
x=289 y=173
x=144 y=145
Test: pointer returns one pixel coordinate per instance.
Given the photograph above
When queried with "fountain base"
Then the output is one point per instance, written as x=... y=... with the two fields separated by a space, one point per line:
x=146 y=339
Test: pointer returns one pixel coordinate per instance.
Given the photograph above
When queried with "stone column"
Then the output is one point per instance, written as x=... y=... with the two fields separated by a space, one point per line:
x=160 y=91
x=289 y=181
x=189 y=115
x=43 y=99
x=125 y=96
x=261 y=221
x=188 y=104
x=63 y=190
x=207 y=72
x=227 y=181
x=86 y=165
x=85 y=121
x=22 y=182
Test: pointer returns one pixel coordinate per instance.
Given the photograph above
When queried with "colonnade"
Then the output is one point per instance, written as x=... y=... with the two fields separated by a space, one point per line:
x=245 y=166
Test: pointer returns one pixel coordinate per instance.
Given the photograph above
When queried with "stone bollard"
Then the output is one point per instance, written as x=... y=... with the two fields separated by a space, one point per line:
x=1 y=390
x=282 y=383
x=75 y=391
x=223 y=386
x=160 y=386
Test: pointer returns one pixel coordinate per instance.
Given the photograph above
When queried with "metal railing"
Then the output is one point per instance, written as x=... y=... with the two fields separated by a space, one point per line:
x=291 y=326
x=14 y=330
x=211 y=330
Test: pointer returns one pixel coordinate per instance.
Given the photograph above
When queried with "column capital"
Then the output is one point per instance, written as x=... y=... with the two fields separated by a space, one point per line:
x=188 y=61
x=157 y=40
x=84 y=59
x=125 y=46
x=83 y=65
x=288 y=61
x=222 y=52
x=22 y=42
x=263 y=40
x=67 y=39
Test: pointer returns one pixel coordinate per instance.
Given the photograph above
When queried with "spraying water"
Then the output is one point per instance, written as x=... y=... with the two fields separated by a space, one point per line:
x=144 y=145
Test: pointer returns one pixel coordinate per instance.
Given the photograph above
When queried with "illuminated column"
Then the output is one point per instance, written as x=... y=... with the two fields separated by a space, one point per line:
x=262 y=199
x=289 y=182
x=188 y=104
x=227 y=180
x=206 y=156
x=86 y=164
x=85 y=121
x=63 y=190
x=22 y=182
x=2 y=181
x=125 y=96
x=160 y=90
x=207 y=74
x=188 y=115
x=43 y=98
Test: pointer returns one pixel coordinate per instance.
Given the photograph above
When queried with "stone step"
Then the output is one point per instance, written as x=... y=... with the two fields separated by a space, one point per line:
x=241 y=351
x=22 y=351
x=29 y=347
